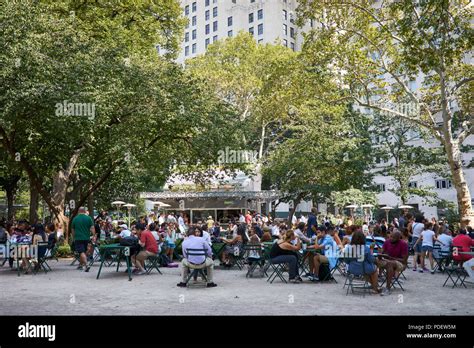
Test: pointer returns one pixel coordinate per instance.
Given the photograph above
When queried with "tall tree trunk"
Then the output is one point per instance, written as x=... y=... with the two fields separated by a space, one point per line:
x=459 y=182
x=10 y=199
x=34 y=198
x=293 y=210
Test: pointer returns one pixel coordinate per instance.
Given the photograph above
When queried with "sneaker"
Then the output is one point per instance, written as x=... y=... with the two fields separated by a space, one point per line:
x=307 y=275
x=425 y=269
x=140 y=272
x=294 y=280
x=421 y=271
x=182 y=285
x=432 y=271
x=135 y=270
x=87 y=269
x=211 y=285
x=385 y=292
x=80 y=268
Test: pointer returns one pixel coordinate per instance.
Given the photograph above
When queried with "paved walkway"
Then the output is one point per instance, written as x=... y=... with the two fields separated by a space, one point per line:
x=67 y=291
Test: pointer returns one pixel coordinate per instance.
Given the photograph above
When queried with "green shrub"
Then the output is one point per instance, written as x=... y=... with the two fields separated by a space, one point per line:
x=64 y=251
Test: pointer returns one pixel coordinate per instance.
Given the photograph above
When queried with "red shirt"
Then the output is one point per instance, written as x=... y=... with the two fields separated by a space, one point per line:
x=464 y=243
x=150 y=242
x=248 y=219
x=398 y=250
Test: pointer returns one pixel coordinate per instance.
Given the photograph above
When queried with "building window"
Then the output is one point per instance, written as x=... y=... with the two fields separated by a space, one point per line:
x=250 y=17
x=194 y=20
x=207 y=2
x=381 y=187
x=194 y=48
x=207 y=14
x=251 y=31
x=285 y=15
x=292 y=32
x=214 y=26
x=230 y=33
x=186 y=51
x=186 y=10
x=260 y=29
x=285 y=42
x=194 y=34
x=214 y=12
x=443 y=184
x=292 y=46
x=260 y=14
x=186 y=37
x=207 y=42
x=214 y=38
x=285 y=30
x=194 y=7
x=208 y=29
x=412 y=184
x=229 y=21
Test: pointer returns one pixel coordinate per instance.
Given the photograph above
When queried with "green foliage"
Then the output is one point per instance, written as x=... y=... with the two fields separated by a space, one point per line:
x=64 y=251
x=350 y=196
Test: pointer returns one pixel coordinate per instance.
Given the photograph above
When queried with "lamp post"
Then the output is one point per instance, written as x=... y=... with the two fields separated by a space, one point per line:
x=387 y=209
x=351 y=208
x=119 y=205
x=129 y=207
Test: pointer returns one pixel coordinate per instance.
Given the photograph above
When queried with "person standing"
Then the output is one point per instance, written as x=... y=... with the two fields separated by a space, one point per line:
x=416 y=228
x=82 y=227
x=312 y=221
x=248 y=218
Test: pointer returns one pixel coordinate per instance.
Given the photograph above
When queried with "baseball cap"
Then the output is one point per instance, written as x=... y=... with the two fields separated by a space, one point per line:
x=123 y=226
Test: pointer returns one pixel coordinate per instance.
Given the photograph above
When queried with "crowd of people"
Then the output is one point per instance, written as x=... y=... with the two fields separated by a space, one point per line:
x=382 y=245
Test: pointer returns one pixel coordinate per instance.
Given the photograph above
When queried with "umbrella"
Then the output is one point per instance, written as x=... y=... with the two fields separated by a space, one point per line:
x=118 y=203
x=387 y=208
x=405 y=207
x=352 y=206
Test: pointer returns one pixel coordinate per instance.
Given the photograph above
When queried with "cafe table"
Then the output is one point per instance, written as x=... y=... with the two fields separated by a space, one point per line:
x=217 y=249
x=121 y=250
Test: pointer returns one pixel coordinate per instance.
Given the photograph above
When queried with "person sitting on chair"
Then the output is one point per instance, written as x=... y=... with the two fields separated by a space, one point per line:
x=194 y=241
x=394 y=257
x=148 y=243
x=283 y=251
x=328 y=247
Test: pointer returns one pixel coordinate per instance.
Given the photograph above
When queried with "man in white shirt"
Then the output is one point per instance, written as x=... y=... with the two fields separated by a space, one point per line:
x=241 y=218
x=171 y=218
x=294 y=220
x=303 y=219
x=275 y=229
x=124 y=231
x=161 y=219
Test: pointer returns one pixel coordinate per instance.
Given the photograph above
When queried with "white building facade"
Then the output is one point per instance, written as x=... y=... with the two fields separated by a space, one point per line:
x=269 y=21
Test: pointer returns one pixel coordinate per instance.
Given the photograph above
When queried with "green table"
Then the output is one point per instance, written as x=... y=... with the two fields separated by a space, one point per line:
x=217 y=249
x=107 y=249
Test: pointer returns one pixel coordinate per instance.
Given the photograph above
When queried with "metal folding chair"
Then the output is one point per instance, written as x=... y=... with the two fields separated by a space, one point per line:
x=152 y=263
x=459 y=272
x=250 y=250
x=197 y=271
x=354 y=281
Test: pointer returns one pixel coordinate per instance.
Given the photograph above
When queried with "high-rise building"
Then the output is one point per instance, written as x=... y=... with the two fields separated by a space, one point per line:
x=269 y=21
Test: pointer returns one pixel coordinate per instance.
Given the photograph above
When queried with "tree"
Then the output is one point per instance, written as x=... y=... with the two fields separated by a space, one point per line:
x=258 y=82
x=10 y=177
x=396 y=145
x=77 y=107
x=376 y=51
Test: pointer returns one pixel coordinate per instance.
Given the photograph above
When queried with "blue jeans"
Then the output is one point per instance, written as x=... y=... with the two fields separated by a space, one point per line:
x=291 y=260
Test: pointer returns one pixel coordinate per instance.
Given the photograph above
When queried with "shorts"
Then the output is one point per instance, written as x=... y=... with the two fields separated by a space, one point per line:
x=80 y=246
x=143 y=255
x=427 y=248
x=398 y=265
x=171 y=245
x=416 y=248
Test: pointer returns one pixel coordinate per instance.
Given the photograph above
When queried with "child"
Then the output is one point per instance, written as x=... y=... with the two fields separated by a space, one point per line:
x=427 y=239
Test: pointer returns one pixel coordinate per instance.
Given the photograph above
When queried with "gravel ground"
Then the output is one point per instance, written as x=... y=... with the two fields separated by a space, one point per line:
x=67 y=291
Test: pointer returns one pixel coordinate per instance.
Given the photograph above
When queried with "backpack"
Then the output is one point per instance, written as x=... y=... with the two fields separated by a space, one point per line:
x=131 y=242
x=3 y=235
x=324 y=272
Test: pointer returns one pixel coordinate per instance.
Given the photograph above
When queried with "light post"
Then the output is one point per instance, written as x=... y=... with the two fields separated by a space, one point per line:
x=129 y=207
x=351 y=208
x=387 y=209
x=119 y=205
